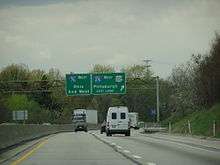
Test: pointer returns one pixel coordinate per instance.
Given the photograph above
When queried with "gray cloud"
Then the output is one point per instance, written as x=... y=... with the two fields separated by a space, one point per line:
x=75 y=36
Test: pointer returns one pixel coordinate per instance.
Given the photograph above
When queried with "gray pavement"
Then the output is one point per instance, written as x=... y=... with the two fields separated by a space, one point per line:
x=211 y=143
x=162 y=152
x=94 y=148
x=73 y=148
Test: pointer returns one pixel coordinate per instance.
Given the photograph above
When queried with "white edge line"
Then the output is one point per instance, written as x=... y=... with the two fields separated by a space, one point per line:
x=180 y=144
x=119 y=147
x=136 y=156
x=150 y=163
x=126 y=151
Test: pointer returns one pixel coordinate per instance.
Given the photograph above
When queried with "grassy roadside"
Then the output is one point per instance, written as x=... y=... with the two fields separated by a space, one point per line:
x=201 y=122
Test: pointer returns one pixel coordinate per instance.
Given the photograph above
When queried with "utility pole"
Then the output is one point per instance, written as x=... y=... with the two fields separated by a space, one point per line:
x=157 y=90
x=158 y=99
x=147 y=63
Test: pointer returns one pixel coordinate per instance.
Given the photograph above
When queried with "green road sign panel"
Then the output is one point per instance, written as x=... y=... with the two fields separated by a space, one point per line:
x=108 y=83
x=78 y=84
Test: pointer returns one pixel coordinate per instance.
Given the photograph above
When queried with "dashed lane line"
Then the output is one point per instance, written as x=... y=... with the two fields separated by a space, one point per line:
x=127 y=151
x=137 y=157
x=119 y=147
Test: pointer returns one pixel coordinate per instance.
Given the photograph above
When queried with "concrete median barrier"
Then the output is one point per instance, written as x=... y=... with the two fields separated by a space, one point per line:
x=12 y=134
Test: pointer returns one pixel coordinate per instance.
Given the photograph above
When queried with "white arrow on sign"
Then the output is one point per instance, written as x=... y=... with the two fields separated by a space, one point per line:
x=122 y=88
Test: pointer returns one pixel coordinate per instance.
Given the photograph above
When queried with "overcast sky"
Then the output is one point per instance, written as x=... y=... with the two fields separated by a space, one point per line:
x=74 y=35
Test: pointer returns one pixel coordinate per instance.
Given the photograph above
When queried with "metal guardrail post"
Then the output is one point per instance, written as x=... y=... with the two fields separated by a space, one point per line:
x=214 y=128
x=189 y=127
x=170 y=128
x=158 y=99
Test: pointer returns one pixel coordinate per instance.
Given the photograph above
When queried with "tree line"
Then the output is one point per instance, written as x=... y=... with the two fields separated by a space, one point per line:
x=192 y=86
x=196 y=84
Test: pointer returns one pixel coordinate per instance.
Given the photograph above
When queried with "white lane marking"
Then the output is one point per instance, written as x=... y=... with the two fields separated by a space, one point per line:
x=126 y=151
x=150 y=163
x=119 y=147
x=105 y=141
x=179 y=144
x=187 y=145
x=113 y=144
x=136 y=157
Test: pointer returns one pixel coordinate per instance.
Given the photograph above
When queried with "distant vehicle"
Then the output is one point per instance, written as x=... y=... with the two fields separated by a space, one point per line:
x=133 y=116
x=91 y=115
x=117 y=121
x=103 y=127
x=79 y=120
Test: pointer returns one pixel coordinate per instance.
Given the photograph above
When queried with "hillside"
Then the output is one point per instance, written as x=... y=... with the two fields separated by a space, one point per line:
x=201 y=122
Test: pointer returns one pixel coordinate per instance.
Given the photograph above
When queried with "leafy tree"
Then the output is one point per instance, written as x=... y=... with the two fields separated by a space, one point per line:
x=65 y=116
x=196 y=84
x=15 y=72
x=208 y=72
x=102 y=69
x=140 y=96
x=36 y=74
x=17 y=102
x=21 y=102
x=183 y=83
x=12 y=73
x=137 y=71
x=5 y=115
x=34 y=112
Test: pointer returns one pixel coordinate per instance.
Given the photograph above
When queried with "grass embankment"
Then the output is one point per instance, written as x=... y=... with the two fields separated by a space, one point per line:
x=201 y=122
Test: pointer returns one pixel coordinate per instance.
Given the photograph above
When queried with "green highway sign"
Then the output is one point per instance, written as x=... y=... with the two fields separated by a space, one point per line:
x=78 y=84
x=108 y=83
x=98 y=83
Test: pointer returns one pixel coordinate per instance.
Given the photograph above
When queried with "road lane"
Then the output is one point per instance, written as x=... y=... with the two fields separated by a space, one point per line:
x=74 y=148
x=211 y=144
x=163 y=152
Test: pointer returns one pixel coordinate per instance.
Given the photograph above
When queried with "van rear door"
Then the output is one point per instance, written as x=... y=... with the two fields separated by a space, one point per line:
x=113 y=119
x=122 y=119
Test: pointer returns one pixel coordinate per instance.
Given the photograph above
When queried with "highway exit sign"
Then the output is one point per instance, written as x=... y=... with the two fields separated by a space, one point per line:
x=97 y=83
x=78 y=84
x=108 y=83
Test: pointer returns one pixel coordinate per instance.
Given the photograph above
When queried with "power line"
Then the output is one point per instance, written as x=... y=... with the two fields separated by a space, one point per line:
x=28 y=91
x=48 y=91
x=27 y=81
x=163 y=62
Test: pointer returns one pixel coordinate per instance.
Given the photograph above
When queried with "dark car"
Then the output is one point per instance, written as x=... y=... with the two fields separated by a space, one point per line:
x=103 y=125
x=80 y=122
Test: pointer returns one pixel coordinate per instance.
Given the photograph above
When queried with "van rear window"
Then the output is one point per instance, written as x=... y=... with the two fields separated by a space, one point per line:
x=114 y=115
x=123 y=116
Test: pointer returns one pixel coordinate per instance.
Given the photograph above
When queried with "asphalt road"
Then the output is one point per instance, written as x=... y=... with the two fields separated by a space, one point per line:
x=71 y=148
x=164 y=152
x=92 y=148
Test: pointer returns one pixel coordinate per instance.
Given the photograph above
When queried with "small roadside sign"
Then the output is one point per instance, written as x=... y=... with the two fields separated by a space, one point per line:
x=153 y=112
x=20 y=115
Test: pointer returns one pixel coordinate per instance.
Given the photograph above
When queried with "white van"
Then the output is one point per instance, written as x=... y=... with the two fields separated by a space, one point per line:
x=117 y=121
